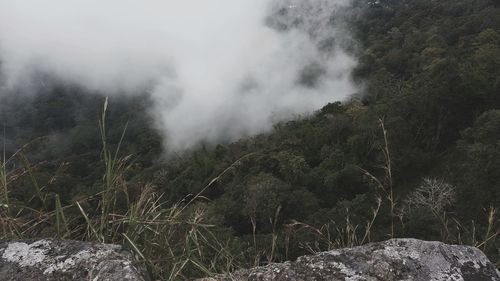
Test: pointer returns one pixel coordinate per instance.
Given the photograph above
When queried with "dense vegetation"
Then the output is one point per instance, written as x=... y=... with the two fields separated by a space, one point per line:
x=416 y=154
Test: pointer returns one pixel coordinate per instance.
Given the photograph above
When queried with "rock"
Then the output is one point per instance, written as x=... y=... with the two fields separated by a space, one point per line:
x=396 y=259
x=48 y=259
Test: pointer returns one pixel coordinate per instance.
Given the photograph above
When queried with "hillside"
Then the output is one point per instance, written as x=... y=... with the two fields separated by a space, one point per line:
x=416 y=153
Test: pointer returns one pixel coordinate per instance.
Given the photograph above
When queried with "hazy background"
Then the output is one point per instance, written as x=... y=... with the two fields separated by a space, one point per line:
x=215 y=70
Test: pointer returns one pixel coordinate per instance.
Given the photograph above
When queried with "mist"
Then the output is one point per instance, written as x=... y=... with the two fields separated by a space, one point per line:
x=215 y=70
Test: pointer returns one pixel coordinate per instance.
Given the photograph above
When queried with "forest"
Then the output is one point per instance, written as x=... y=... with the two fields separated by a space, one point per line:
x=416 y=153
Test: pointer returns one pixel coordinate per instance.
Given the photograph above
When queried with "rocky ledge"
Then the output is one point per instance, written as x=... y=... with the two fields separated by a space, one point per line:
x=396 y=259
x=47 y=259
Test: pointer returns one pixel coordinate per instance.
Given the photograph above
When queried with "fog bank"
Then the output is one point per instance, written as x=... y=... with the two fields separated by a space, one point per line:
x=216 y=70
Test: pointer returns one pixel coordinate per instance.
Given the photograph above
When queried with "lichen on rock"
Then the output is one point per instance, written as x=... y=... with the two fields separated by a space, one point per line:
x=49 y=259
x=395 y=259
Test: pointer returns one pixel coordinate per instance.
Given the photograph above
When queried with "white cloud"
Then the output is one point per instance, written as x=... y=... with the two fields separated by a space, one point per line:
x=215 y=69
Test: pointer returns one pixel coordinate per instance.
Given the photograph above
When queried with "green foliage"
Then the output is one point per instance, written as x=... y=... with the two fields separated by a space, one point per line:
x=430 y=71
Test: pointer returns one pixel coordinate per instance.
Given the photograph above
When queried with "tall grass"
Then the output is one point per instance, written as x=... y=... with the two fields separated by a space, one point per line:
x=4 y=196
x=335 y=235
x=385 y=185
x=115 y=167
x=176 y=241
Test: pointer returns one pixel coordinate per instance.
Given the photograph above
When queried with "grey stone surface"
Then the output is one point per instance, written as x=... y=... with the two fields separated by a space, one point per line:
x=396 y=259
x=48 y=259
